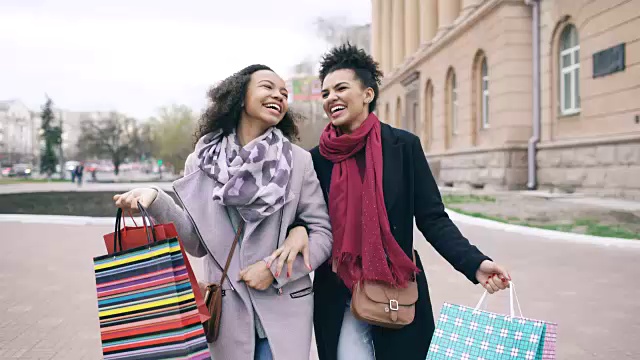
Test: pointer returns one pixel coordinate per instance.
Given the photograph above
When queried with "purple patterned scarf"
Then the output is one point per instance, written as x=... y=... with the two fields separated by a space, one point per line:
x=253 y=178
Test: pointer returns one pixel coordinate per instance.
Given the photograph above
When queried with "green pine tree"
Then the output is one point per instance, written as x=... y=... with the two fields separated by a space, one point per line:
x=52 y=136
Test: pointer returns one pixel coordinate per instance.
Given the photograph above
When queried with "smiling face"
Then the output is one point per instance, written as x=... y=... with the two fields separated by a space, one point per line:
x=266 y=98
x=346 y=100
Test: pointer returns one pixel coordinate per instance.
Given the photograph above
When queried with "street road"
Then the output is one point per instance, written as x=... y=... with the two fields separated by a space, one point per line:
x=48 y=305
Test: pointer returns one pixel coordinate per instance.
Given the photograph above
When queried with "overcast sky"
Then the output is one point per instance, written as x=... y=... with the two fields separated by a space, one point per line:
x=137 y=55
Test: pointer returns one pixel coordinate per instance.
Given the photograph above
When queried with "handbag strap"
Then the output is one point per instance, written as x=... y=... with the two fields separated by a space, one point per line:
x=231 y=251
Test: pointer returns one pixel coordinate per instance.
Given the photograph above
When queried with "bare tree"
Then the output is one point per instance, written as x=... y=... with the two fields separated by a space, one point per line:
x=115 y=137
x=172 y=133
x=332 y=30
x=337 y=30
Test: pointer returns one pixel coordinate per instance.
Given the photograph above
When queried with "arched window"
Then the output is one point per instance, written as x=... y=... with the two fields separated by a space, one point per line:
x=484 y=102
x=398 y=119
x=387 y=113
x=453 y=87
x=451 y=106
x=569 y=71
x=427 y=132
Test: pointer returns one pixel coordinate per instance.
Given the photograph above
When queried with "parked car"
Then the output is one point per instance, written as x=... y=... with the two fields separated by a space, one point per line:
x=5 y=170
x=20 y=170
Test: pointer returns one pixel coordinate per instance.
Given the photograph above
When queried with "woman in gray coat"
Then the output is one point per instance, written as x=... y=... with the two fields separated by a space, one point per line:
x=244 y=170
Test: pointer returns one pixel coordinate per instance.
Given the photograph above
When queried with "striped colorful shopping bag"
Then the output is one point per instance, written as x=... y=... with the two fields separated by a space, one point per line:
x=146 y=305
x=465 y=333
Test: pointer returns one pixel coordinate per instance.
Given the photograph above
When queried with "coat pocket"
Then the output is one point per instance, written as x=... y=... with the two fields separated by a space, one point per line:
x=302 y=293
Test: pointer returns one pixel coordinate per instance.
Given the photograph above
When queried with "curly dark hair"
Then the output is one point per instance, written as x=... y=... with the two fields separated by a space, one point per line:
x=225 y=109
x=347 y=56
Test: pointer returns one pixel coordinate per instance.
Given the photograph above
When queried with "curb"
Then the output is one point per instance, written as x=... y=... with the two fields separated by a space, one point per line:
x=543 y=233
x=58 y=219
x=456 y=217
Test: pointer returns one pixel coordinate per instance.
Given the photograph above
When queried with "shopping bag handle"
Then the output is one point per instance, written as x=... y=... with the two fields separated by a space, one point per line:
x=124 y=224
x=145 y=216
x=120 y=219
x=117 y=234
x=512 y=296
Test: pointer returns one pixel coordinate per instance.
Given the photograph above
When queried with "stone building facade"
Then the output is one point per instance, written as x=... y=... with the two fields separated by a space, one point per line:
x=466 y=76
x=18 y=134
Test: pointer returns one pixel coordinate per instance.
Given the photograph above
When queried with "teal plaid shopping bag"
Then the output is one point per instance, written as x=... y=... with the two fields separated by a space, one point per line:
x=465 y=333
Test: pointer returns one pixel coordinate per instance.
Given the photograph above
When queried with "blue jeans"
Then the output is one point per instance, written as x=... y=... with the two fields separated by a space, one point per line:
x=263 y=350
x=355 y=341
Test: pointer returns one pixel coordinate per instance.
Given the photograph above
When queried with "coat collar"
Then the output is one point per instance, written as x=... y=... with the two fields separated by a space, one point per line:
x=391 y=164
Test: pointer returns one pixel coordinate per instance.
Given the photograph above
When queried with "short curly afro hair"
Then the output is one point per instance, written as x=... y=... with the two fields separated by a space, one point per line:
x=347 y=56
x=225 y=109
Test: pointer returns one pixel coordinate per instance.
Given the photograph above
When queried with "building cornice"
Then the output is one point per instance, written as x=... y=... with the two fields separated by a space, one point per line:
x=430 y=48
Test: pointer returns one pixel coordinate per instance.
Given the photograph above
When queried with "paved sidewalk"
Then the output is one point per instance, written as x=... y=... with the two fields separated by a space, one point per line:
x=48 y=305
x=578 y=199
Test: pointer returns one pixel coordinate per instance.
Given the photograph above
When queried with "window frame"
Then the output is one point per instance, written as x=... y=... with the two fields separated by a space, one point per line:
x=572 y=70
x=453 y=89
x=484 y=99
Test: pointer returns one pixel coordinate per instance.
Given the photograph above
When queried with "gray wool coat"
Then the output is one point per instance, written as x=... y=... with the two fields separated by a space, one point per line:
x=286 y=308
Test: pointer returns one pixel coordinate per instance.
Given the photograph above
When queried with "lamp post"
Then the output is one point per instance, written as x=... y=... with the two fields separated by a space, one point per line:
x=62 y=168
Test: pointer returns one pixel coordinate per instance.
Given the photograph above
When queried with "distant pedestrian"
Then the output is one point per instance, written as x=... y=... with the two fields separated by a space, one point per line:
x=78 y=171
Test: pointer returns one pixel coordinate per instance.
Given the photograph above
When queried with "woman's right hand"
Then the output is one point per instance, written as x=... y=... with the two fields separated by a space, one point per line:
x=297 y=242
x=130 y=199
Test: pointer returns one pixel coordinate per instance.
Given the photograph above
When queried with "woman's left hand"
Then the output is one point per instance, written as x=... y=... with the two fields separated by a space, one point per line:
x=492 y=276
x=257 y=276
x=297 y=242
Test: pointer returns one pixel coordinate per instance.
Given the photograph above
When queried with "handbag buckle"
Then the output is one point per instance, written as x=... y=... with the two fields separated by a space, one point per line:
x=393 y=305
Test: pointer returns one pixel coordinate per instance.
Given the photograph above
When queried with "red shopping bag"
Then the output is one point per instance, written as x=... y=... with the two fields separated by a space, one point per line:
x=130 y=237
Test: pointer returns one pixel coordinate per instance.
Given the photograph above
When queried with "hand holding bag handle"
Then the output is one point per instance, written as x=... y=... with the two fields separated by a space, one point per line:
x=213 y=294
x=512 y=295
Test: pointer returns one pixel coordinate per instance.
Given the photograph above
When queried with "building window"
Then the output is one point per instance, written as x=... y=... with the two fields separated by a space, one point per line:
x=414 y=118
x=454 y=104
x=484 y=73
x=387 y=113
x=569 y=71
x=398 y=119
x=451 y=107
x=428 y=116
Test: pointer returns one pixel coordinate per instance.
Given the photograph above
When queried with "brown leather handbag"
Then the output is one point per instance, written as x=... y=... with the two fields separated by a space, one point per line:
x=382 y=305
x=213 y=295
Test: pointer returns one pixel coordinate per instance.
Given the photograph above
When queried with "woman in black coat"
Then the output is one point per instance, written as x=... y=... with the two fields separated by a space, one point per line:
x=354 y=148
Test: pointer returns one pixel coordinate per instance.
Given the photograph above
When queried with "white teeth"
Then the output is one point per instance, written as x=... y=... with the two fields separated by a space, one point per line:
x=337 y=108
x=273 y=106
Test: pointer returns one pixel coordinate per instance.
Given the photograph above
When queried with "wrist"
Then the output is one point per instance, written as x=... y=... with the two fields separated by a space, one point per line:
x=155 y=196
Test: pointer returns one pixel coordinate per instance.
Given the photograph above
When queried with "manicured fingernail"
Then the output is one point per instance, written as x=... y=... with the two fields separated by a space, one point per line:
x=277 y=273
x=309 y=267
x=504 y=280
x=288 y=274
x=487 y=282
x=269 y=264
